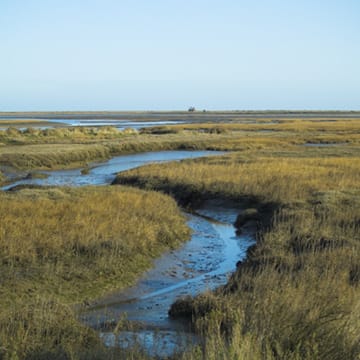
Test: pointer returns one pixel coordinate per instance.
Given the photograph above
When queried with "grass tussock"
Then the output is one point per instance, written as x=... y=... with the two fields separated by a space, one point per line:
x=60 y=246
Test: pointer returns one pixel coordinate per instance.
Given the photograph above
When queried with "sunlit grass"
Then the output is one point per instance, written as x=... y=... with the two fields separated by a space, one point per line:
x=272 y=179
x=69 y=147
x=339 y=126
x=297 y=294
x=295 y=297
x=60 y=246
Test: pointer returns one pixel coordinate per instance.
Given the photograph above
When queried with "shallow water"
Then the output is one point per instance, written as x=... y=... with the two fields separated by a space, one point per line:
x=119 y=124
x=203 y=263
x=158 y=343
x=103 y=173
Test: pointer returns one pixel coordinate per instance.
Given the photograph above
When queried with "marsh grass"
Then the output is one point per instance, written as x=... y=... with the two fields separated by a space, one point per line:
x=63 y=134
x=295 y=297
x=76 y=146
x=74 y=153
x=338 y=126
x=297 y=294
x=60 y=246
x=275 y=179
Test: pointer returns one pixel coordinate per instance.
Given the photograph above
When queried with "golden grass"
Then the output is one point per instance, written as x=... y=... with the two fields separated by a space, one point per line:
x=24 y=123
x=294 y=125
x=74 y=228
x=293 y=130
x=297 y=295
x=69 y=147
x=76 y=134
x=271 y=179
x=77 y=153
x=60 y=246
x=51 y=156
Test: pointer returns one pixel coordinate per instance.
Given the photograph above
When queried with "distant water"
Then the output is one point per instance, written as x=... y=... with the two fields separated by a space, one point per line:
x=119 y=124
x=103 y=173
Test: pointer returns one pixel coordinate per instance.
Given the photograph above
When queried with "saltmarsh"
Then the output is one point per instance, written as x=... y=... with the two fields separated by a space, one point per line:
x=62 y=246
x=77 y=146
x=295 y=297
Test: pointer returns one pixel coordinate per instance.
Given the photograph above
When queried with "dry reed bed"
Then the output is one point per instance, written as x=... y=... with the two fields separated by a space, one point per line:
x=59 y=246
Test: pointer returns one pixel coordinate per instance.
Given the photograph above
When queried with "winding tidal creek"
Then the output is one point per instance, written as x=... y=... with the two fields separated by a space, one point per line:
x=203 y=263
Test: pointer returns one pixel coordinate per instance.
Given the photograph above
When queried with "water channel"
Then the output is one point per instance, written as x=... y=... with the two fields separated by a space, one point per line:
x=103 y=173
x=118 y=124
x=203 y=263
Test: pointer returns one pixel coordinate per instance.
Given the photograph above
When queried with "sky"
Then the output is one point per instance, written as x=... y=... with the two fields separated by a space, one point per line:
x=172 y=54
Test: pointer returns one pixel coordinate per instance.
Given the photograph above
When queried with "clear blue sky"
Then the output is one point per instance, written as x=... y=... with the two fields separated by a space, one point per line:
x=172 y=54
